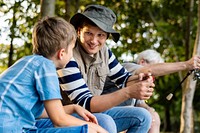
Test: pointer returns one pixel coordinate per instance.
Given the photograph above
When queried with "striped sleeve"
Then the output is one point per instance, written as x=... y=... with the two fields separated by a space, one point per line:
x=118 y=73
x=72 y=83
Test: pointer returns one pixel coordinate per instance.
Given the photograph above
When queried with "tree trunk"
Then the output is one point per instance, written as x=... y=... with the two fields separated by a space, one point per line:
x=12 y=35
x=167 y=125
x=47 y=8
x=188 y=30
x=67 y=9
x=187 y=123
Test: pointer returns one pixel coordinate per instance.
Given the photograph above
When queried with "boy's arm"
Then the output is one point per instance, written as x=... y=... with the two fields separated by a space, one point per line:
x=56 y=113
x=59 y=117
x=69 y=109
x=73 y=108
x=85 y=114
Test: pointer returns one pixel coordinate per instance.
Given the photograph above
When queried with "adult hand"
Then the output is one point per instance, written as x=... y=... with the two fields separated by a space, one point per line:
x=140 y=76
x=141 y=88
x=193 y=63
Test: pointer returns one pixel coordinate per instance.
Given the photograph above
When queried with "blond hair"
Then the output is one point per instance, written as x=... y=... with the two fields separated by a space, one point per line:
x=51 y=34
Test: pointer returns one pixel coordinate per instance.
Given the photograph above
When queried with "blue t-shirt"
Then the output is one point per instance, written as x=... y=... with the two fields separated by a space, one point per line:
x=23 y=88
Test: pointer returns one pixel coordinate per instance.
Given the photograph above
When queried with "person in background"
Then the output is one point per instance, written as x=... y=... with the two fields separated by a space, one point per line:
x=93 y=62
x=30 y=88
x=150 y=61
x=144 y=58
x=148 y=56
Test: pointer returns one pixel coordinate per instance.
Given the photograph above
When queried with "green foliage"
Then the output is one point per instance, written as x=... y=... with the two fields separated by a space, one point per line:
x=156 y=24
x=22 y=16
x=3 y=57
x=161 y=25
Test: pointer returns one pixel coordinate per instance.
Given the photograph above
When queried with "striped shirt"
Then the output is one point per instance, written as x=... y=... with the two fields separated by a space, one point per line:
x=78 y=77
x=110 y=87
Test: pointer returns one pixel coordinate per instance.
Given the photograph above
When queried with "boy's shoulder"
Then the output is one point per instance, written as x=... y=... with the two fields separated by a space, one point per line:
x=32 y=62
x=27 y=66
x=36 y=59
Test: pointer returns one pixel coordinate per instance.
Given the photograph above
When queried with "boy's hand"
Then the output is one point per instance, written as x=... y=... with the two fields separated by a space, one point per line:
x=94 y=128
x=87 y=116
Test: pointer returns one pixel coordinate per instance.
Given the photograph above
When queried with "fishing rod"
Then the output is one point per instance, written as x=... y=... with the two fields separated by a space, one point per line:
x=196 y=76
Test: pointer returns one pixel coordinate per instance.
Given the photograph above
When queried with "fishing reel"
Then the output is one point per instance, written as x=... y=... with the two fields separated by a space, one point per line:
x=196 y=74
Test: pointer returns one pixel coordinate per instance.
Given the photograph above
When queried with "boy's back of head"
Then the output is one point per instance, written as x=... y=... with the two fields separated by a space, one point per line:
x=51 y=34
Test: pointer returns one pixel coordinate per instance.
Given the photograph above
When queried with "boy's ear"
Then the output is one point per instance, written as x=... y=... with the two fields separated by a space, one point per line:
x=61 y=53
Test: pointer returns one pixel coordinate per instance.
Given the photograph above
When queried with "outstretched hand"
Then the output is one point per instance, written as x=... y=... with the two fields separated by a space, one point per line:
x=193 y=63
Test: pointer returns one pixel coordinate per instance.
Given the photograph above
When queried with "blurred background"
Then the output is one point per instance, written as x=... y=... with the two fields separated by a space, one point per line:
x=168 y=26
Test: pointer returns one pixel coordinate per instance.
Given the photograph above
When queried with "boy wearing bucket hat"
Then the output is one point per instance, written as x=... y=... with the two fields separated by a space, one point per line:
x=84 y=76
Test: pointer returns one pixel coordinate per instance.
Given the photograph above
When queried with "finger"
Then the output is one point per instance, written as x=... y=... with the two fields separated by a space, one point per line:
x=149 y=77
x=151 y=85
x=196 y=62
x=92 y=118
x=141 y=76
x=152 y=78
x=146 y=97
x=133 y=78
x=150 y=89
x=149 y=92
x=85 y=117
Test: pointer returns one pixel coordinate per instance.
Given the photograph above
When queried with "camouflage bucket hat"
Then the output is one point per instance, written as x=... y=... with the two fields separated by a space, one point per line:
x=103 y=17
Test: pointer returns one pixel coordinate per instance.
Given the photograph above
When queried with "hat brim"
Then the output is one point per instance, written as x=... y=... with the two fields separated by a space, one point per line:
x=76 y=20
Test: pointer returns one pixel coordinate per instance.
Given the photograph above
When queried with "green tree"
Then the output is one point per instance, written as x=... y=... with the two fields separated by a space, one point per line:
x=47 y=8
x=187 y=121
x=20 y=15
x=167 y=26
